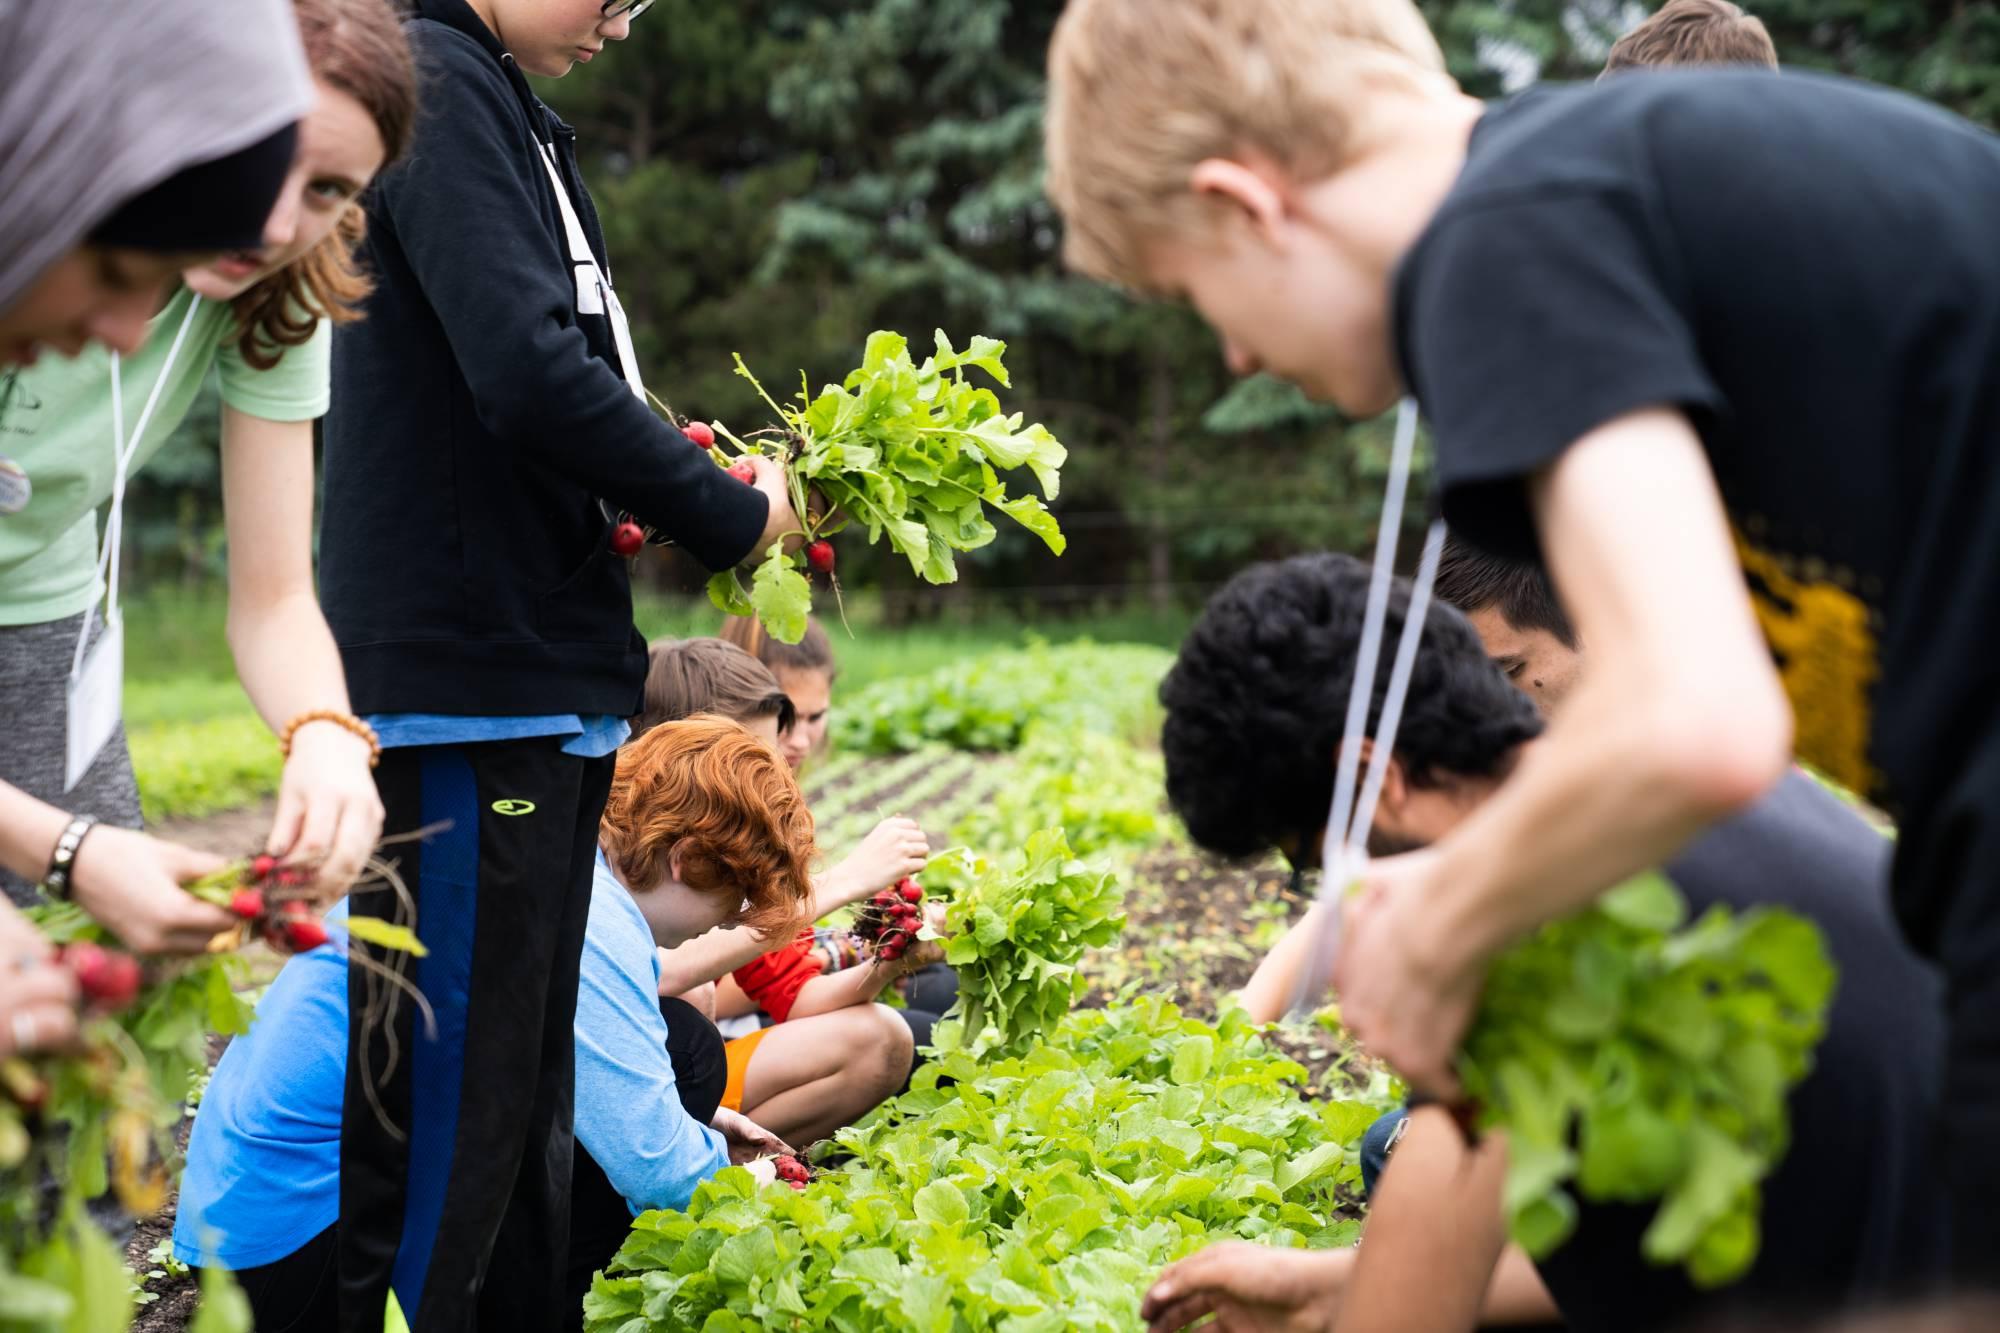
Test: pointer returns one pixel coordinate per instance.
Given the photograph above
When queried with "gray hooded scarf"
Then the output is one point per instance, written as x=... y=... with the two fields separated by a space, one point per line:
x=101 y=99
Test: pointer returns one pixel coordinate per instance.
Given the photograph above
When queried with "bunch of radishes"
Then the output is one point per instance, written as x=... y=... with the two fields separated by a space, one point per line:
x=889 y=923
x=792 y=1171
x=629 y=537
x=273 y=901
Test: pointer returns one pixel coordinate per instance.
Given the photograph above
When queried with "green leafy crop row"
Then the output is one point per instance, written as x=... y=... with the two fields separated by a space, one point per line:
x=1102 y=791
x=1035 y=1194
x=989 y=702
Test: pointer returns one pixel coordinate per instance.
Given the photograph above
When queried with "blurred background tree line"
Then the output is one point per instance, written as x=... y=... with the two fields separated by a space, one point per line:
x=778 y=177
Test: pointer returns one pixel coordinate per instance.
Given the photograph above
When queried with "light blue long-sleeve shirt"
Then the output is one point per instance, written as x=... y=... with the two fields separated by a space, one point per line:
x=628 y=1109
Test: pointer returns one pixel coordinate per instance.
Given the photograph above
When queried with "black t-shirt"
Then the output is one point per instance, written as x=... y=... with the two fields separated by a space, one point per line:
x=1811 y=269
x=1853 y=1215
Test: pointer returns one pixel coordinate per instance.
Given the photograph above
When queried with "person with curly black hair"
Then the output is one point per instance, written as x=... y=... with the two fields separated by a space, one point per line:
x=1255 y=705
x=1266 y=673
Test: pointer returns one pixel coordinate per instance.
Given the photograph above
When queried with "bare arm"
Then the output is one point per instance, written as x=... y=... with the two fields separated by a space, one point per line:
x=1426 y=1258
x=860 y=985
x=850 y=986
x=1268 y=993
x=1434 y=1234
x=129 y=882
x=1679 y=722
x=1517 y=1294
x=327 y=806
x=1680 y=719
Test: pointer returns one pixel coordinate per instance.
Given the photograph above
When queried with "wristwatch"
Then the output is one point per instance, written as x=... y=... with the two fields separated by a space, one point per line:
x=56 y=882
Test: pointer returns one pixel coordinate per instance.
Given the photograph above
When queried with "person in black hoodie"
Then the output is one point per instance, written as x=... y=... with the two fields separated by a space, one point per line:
x=487 y=425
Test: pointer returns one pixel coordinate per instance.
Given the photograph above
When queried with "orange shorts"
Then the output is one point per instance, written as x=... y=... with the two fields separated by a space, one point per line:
x=738 y=1053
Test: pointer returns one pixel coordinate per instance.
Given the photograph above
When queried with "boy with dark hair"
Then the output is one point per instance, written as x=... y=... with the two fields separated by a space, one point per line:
x=1519 y=619
x=1720 y=348
x=1269 y=722
x=1694 y=32
x=488 y=425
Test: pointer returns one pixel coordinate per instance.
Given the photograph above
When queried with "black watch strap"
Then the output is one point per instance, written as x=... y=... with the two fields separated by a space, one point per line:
x=56 y=882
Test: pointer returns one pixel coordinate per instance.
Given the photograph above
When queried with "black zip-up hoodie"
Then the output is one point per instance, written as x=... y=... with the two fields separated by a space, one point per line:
x=465 y=561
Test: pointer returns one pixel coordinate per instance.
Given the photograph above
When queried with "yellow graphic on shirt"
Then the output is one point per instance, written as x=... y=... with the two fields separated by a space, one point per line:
x=1828 y=658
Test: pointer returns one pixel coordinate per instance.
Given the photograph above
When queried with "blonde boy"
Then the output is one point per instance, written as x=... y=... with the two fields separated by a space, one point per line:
x=1670 y=331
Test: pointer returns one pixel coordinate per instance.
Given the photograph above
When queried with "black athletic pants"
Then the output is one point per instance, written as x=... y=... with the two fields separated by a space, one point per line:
x=456 y=1148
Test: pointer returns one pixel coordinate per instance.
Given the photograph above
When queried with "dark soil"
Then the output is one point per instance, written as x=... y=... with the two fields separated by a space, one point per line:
x=174 y=1297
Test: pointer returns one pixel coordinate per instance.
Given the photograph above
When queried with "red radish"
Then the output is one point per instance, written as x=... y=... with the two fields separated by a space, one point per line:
x=743 y=472
x=627 y=539
x=291 y=878
x=699 y=434
x=304 y=934
x=895 y=939
x=247 y=903
x=106 y=977
x=263 y=866
x=819 y=555
x=912 y=893
x=884 y=899
x=81 y=956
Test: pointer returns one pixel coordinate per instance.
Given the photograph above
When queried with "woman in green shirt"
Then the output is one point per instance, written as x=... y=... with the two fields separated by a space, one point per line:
x=260 y=318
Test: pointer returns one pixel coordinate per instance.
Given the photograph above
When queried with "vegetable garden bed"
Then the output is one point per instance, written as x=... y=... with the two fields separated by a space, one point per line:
x=1194 y=931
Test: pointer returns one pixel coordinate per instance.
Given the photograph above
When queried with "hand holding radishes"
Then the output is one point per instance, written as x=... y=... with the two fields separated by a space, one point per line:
x=131 y=884
x=329 y=814
x=889 y=925
x=910 y=453
x=281 y=903
x=781 y=528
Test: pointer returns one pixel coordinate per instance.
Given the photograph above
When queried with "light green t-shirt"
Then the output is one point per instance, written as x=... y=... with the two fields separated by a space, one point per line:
x=58 y=429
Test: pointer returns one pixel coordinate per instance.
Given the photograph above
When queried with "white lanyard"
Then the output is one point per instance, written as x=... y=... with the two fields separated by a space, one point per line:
x=96 y=686
x=1345 y=852
x=593 y=285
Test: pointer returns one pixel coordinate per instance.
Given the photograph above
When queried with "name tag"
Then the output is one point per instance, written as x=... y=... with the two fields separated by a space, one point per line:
x=95 y=696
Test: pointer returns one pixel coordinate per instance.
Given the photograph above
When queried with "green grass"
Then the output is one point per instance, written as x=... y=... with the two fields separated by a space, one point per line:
x=190 y=769
x=199 y=748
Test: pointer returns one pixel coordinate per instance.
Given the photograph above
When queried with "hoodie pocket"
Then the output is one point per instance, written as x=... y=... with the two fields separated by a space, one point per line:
x=594 y=603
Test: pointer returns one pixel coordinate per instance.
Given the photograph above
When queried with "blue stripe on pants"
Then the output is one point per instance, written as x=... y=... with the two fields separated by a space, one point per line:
x=447 y=900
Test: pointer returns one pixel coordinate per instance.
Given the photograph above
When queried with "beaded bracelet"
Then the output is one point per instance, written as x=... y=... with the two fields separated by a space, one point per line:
x=345 y=721
x=56 y=882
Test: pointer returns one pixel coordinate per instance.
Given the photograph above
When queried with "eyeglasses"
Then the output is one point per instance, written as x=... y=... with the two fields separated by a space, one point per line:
x=624 y=9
